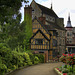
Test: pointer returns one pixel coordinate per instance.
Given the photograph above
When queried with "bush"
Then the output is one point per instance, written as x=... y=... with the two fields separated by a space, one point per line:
x=13 y=59
x=3 y=69
x=27 y=59
x=31 y=57
x=65 y=66
x=36 y=60
x=41 y=57
x=64 y=70
x=60 y=68
x=17 y=59
x=70 y=73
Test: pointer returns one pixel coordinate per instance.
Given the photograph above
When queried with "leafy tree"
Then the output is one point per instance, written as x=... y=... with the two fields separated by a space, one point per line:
x=9 y=9
x=10 y=18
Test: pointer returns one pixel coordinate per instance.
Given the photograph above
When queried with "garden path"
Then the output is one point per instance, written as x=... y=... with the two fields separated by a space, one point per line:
x=41 y=69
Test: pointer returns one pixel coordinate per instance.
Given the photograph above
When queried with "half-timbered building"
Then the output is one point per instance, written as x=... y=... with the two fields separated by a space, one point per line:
x=48 y=31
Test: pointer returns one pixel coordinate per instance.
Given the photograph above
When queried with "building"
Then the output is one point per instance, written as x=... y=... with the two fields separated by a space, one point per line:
x=48 y=31
x=70 y=37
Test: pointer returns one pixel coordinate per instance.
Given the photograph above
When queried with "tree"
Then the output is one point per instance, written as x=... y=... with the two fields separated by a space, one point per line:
x=10 y=18
x=9 y=9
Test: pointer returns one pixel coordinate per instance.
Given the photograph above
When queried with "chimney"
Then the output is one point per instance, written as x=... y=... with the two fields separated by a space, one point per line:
x=42 y=19
x=27 y=10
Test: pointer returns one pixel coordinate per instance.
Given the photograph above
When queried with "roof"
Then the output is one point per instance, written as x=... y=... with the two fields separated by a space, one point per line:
x=48 y=11
x=41 y=33
x=42 y=25
x=69 y=22
x=49 y=27
x=55 y=25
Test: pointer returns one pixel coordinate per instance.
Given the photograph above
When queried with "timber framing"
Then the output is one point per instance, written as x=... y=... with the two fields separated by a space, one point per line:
x=41 y=33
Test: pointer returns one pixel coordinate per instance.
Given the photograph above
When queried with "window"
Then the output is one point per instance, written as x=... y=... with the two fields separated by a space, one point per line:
x=38 y=41
x=55 y=33
x=70 y=33
x=67 y=33
x=54 y=42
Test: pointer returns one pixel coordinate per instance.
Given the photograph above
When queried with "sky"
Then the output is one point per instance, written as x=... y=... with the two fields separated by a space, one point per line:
x=61 y=7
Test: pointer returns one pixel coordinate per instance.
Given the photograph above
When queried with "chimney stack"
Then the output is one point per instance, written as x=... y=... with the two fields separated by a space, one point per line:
x=28 y=11
x=42 y=19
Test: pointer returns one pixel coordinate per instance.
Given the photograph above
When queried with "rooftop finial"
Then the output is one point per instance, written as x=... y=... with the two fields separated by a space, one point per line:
x=51 y=4
x=69 y=17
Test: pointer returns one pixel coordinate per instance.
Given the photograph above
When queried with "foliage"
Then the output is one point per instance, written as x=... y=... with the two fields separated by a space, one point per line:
x=31 y=57
x=28 y=30
x=68 y=59
x=27 y=59
x=14 y=38
x=64 y=70
x=9 y=10
x=36 y=60
x=41 y=57
x=3 y=69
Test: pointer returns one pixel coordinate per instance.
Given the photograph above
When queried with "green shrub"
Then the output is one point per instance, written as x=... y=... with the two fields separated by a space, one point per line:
x=41 y=57
x=36 y=60
x=71 y=69
x=60 y=68
x=29 y=63
x=65 y=66
x=17 y=59
x=31 y=57
x=25 y=64
x=3 y=69
x=27 y=59
x=64 y=70
x=70 y=73
x=74 y=71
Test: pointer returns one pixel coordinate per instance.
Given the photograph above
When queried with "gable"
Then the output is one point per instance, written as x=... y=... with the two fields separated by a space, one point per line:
x=36 y=25
x=35 y=10
x=39 y=34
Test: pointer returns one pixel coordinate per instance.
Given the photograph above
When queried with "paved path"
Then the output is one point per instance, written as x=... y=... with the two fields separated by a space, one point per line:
x=42 y=69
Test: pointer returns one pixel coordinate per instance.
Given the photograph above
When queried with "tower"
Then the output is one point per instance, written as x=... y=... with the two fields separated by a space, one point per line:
x=69 y=22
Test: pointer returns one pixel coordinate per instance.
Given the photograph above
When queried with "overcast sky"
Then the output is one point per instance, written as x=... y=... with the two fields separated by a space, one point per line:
x=61 y=7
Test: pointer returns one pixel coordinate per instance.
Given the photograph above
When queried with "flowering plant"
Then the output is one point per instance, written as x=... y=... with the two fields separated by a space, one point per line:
x=68 y=59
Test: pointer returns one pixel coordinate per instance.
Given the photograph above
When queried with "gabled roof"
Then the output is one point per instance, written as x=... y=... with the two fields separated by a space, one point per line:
x=55 y=26
x=49 y=27
x=47 y=11
x=41 y=33
x=35 y=18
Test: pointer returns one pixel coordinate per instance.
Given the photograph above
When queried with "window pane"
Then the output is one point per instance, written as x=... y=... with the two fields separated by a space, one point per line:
x=39 y=41
x=54 y=42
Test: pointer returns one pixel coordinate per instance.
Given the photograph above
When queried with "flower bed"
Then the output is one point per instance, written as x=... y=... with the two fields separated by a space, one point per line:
x=65 y=70
x=59 y=72
x=69 y=68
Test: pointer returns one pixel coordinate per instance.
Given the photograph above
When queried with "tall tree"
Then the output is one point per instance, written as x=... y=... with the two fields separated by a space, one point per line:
x=10 y=18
